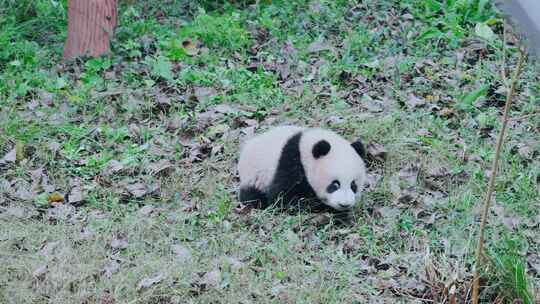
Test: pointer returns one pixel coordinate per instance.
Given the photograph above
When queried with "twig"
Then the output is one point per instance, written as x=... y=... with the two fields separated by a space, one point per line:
x=489 y=192
x=452 y=294
x=503 y=63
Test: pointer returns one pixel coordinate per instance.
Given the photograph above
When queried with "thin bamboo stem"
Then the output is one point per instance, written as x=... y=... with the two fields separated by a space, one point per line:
x=491 y=184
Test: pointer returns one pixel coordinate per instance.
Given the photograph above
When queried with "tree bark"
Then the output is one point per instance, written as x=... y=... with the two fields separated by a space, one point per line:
x=90 y=24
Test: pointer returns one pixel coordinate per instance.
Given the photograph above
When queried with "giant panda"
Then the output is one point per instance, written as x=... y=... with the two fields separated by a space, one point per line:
x=297 y=166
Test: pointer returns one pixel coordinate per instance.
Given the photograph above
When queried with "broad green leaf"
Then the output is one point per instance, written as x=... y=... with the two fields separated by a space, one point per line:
x=468 y=99
x=61 y=83
x=176 y=52
x=433 y=5
x=481 y=7
x=372 y=64
x=162 y=67
x=429 y=34
x=483 y=31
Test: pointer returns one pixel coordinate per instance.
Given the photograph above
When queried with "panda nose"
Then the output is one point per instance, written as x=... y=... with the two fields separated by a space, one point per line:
x=343 y=205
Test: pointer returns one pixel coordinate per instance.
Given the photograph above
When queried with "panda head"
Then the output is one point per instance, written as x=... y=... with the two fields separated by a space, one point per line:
x=334 y=168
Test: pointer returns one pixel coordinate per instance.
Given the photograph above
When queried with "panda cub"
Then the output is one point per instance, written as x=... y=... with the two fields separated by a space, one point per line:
x=290 y=164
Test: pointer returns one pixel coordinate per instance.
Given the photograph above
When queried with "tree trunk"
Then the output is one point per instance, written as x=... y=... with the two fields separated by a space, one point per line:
x=90 y=23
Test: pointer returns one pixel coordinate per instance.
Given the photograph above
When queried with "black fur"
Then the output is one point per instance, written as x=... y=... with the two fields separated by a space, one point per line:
x=290 y=183
x=359 y=148
x=321 y=148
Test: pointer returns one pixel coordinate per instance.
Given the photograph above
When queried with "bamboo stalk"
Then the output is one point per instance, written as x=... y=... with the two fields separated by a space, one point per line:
x=491 y=184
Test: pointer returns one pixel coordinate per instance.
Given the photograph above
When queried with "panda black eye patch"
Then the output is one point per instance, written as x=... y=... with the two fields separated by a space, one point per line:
x=354 y=187
x=333 y=186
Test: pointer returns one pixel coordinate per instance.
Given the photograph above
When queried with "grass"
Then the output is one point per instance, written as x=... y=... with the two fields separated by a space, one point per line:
x=143 y=137
x=510 y=272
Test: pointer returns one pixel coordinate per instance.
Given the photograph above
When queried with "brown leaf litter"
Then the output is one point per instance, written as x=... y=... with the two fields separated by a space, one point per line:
x=149 y=281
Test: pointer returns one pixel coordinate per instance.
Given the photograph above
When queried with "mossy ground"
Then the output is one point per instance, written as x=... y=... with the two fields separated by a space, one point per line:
x=143 y=145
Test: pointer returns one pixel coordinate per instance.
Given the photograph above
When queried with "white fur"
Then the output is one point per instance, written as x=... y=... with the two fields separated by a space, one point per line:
x=263 y=152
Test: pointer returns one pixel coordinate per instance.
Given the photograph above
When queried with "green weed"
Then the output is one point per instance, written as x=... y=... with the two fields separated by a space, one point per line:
x=217 y=32
x=509 y=272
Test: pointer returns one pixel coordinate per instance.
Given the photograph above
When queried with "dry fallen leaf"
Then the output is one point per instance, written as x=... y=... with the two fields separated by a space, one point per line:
x=146 y=210
x=106 y=298
x=6 y=185
x=60 y=212
x=437 y=171
x=409 y=174
x=210 y=279
x=388 y=213
x=138 y=190
x=113 y=166
x=111 y=268
x=23 y=211
x=281 y=293
x=40 y=272
x=119 y=242
x=159 y=166
x=10 y=157
x=424 y=133
x=87 y=233
x=446 y=112
x=190 y=47
x=36 y=175
x=407 y=195
x=226 y=109
x=207 y=119
x=424 y=216
x=22 y=192
x=248 y=132
x=414 y=102
x=181 y=252
x=534 y=261
x=48 y=249
x=371 y=104
x=39 y=178
x=217 y=131
x=244 y=209
x=525 y=151
x=189 y=206
x=97 y=215
x=234 y=263
x=352 y=243
x=319 y=45
x=75 y=195
x=320 y=219
x=176 y=122
x=511 y=222
x=376 y=152
x=163 y=101
x=199 y=152
x=55 y=198
x=203 y=93
x=147 y=282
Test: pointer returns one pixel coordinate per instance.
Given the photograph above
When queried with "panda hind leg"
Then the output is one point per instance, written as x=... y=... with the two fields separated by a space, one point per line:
x=253 y=196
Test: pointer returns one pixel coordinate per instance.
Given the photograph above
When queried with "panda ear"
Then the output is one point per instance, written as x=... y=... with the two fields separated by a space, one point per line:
x=359 y=148
x=321 y=148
